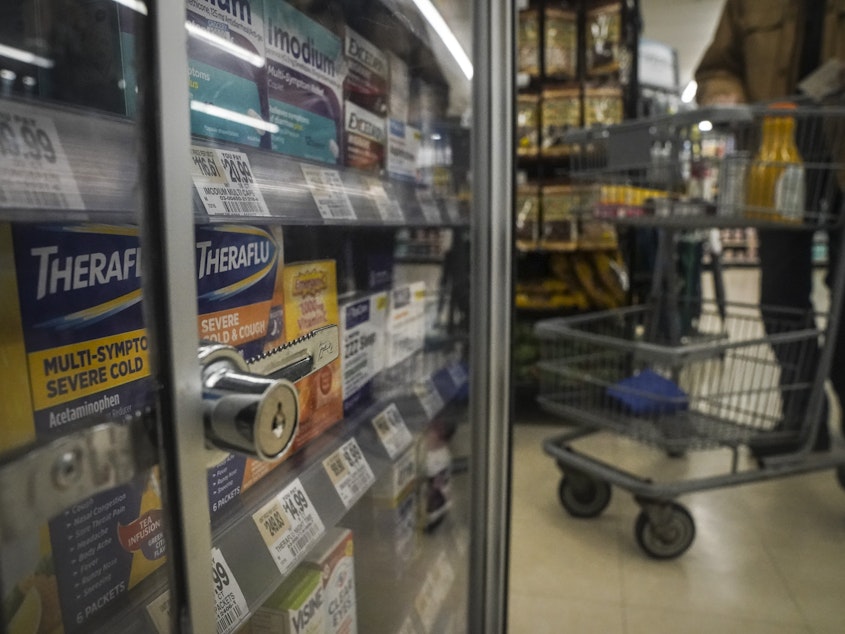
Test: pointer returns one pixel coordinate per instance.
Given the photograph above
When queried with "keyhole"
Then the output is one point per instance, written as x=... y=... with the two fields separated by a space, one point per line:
x=278 y=421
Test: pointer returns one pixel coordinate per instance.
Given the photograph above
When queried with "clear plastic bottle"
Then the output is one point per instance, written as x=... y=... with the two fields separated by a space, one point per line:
x=776 y=179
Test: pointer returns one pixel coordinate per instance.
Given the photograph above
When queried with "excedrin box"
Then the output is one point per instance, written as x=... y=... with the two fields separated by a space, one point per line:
x=310 y=291
x=334 y=557
x=298 y=606
x=226 y=70
x=363 y=323
x=74 y=349
x=364 y=139
x=367 y=74
x=305 y=73
x=240 y=303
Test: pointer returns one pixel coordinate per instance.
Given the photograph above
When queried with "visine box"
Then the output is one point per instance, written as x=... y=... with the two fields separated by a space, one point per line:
x=334 y=557
x=305 y=73
x=298 y=606
x=226 y=70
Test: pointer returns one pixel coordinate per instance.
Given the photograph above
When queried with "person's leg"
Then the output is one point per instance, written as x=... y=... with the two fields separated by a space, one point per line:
x=786 y=283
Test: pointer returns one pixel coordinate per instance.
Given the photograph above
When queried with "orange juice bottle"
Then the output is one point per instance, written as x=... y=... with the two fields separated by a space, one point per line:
x=776 y=178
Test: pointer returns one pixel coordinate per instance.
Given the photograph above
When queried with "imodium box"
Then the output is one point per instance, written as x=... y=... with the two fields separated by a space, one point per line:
x=240 y=303
x=310 y=290
x=334 y=558
x=298 y=606
x=305 y=72
x=73 y=350
x=363 y=323
x=226 y=70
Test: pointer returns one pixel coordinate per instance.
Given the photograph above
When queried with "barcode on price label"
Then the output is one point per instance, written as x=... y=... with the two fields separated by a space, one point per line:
x=229 y=601
x=388 y=208
x=159 y=612
x=428 y=206
x=225 y=183
x=289 y=525
x=34 y=169
x=349 y=472
x=329 y=193
x=392 y=431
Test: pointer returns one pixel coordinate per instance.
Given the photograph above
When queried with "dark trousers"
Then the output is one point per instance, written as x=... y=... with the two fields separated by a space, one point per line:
x=786 y=287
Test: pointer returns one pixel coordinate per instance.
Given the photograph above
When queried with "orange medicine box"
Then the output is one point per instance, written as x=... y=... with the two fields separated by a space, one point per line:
x=310 y=290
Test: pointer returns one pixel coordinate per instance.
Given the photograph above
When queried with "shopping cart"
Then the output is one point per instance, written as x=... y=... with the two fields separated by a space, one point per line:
x=722 y=375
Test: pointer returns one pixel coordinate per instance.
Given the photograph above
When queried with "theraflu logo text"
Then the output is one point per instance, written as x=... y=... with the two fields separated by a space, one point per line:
x=304 y=51
x=58 y=273
x=240 y=9
x=231 y=259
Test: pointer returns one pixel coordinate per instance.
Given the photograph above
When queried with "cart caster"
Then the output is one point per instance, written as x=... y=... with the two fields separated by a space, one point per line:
x=665 y=530
x=840 y=476
x=583 y=496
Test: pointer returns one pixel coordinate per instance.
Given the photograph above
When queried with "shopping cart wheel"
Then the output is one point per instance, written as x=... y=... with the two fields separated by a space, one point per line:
x=582 y=495
x=664 y=530
x=840 y=476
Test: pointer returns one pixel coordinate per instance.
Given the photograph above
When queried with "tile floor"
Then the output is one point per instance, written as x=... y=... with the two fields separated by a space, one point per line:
x=768 y=558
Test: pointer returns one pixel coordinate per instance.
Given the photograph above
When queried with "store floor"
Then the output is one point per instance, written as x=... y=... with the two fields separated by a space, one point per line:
x=768 y=558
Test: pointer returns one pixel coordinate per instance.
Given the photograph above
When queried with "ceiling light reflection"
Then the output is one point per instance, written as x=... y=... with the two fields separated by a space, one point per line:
x=432 y=15
x=25 y=56
x=224 y=45
x=231 y=115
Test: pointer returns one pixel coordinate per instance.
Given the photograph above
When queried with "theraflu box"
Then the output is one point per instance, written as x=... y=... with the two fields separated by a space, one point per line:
x=366 y=78
x=311 y=302
x=226 y=70
x=240 y=303
x=305 y=72
x=74 y=350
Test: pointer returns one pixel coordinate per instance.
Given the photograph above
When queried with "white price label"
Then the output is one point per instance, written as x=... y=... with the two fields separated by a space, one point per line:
x=429 y=397
x=329 y=193
x=388 y=209
x=458 y=374
x=453 y=211
x=349 y=472
x=159 y=612
x=226 y=184
x=428 y=206
x=392 y=431
x=34 y=169
x=229 y=600
x=289 y=525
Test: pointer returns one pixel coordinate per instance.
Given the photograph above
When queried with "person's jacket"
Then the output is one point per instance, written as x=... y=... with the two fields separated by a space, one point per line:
x=755 y=52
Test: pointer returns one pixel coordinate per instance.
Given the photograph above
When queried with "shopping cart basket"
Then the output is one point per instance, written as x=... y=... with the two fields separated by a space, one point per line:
x=717 y=380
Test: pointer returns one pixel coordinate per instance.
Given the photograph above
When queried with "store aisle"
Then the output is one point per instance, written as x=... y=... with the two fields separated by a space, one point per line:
x=768 y=558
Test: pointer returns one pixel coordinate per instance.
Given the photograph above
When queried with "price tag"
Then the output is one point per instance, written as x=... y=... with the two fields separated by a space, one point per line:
x=429 y=397
x=329 y=193
x=458 y=374
x=349 y=472
x=388 y=209
x=428 y=206
x=289 y=525
x=229 y=600
x=453 y=211
x=392 y=431
x=159 y=612
x=34 y=169
x=225 y=183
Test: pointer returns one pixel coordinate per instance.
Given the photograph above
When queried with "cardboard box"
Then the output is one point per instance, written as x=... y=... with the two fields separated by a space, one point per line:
x=305 y=73
x=405 y=322
x=363 y=323
x=298 y=606
x=240 y=303
x=365 y=138
x=226 y=70
x=74 y=349
x=403 y=146
x=310 y=291
x=333 y=556
x=366 y=83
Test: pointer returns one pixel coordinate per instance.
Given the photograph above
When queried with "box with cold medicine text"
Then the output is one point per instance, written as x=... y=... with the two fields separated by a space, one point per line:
x=75 y=353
